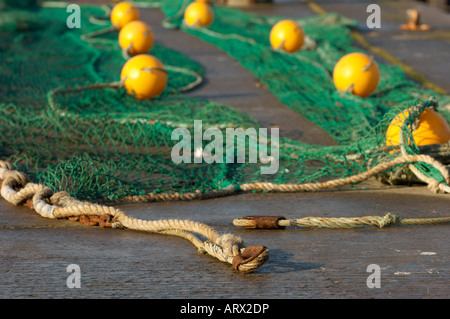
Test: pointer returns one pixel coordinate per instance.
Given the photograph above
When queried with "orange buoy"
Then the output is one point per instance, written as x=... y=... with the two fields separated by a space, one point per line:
x=136 y=37
x=432 y=129
x=144 y=76
x=198 y=14
x=414 y=22
x=286 y=35
x=356 y=73
x=122 y=14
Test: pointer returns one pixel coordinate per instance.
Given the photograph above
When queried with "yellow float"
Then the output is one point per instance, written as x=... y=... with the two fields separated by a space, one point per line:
x=136 y=37
x=286 y=35
x=432 y=128
x=122 y=14
x=356 y=73
x=198 y=14
x=144 y=76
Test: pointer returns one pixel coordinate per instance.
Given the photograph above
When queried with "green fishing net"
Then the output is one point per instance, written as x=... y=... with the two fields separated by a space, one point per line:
x=103 y=144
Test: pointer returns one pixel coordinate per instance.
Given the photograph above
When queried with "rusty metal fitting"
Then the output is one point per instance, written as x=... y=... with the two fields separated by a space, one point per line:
x=28 y=203
x=89 y=220
x=264 y=222
x=249 y=254
x=105 y=221
x=94 y=220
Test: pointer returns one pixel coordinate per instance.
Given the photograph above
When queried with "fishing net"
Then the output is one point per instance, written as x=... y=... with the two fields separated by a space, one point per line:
x=102 y=144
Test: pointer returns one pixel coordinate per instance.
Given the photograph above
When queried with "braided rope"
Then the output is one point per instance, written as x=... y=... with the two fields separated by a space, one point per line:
x=16 y=189
x=342 y=222
x=164 y=197
x=434 y=185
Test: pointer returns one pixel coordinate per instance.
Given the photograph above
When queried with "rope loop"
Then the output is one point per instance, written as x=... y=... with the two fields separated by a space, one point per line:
x=14 y=178
x=250 y=258
x=48 y=204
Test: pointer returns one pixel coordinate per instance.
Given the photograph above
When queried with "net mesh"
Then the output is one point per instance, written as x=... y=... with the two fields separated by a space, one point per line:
x=102 y=144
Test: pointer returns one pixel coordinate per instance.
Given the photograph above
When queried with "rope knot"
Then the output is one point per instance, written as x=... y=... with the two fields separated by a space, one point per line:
x=230 y=243
x=388 y=220
x=60 y=199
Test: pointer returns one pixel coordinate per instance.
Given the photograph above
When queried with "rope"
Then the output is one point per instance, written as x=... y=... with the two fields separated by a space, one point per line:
x=120 y=84
x=164 y=197
x=16 y=189
x=367 y=67
x=94 y=86
x=198 y=78
x=434 y=185
x=223 y=247
x=218 y=35
x=97 y=33
x=339 y=223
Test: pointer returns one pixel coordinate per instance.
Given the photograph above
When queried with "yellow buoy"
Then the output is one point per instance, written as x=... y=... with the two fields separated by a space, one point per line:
x=122 y=14
x=356 y=73
x=286 y=35
x=144 y=76
x=432 y=129
x=136 y=37
x=198 y=14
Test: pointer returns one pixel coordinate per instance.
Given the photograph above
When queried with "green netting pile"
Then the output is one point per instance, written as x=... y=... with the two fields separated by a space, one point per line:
x=102 y=144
